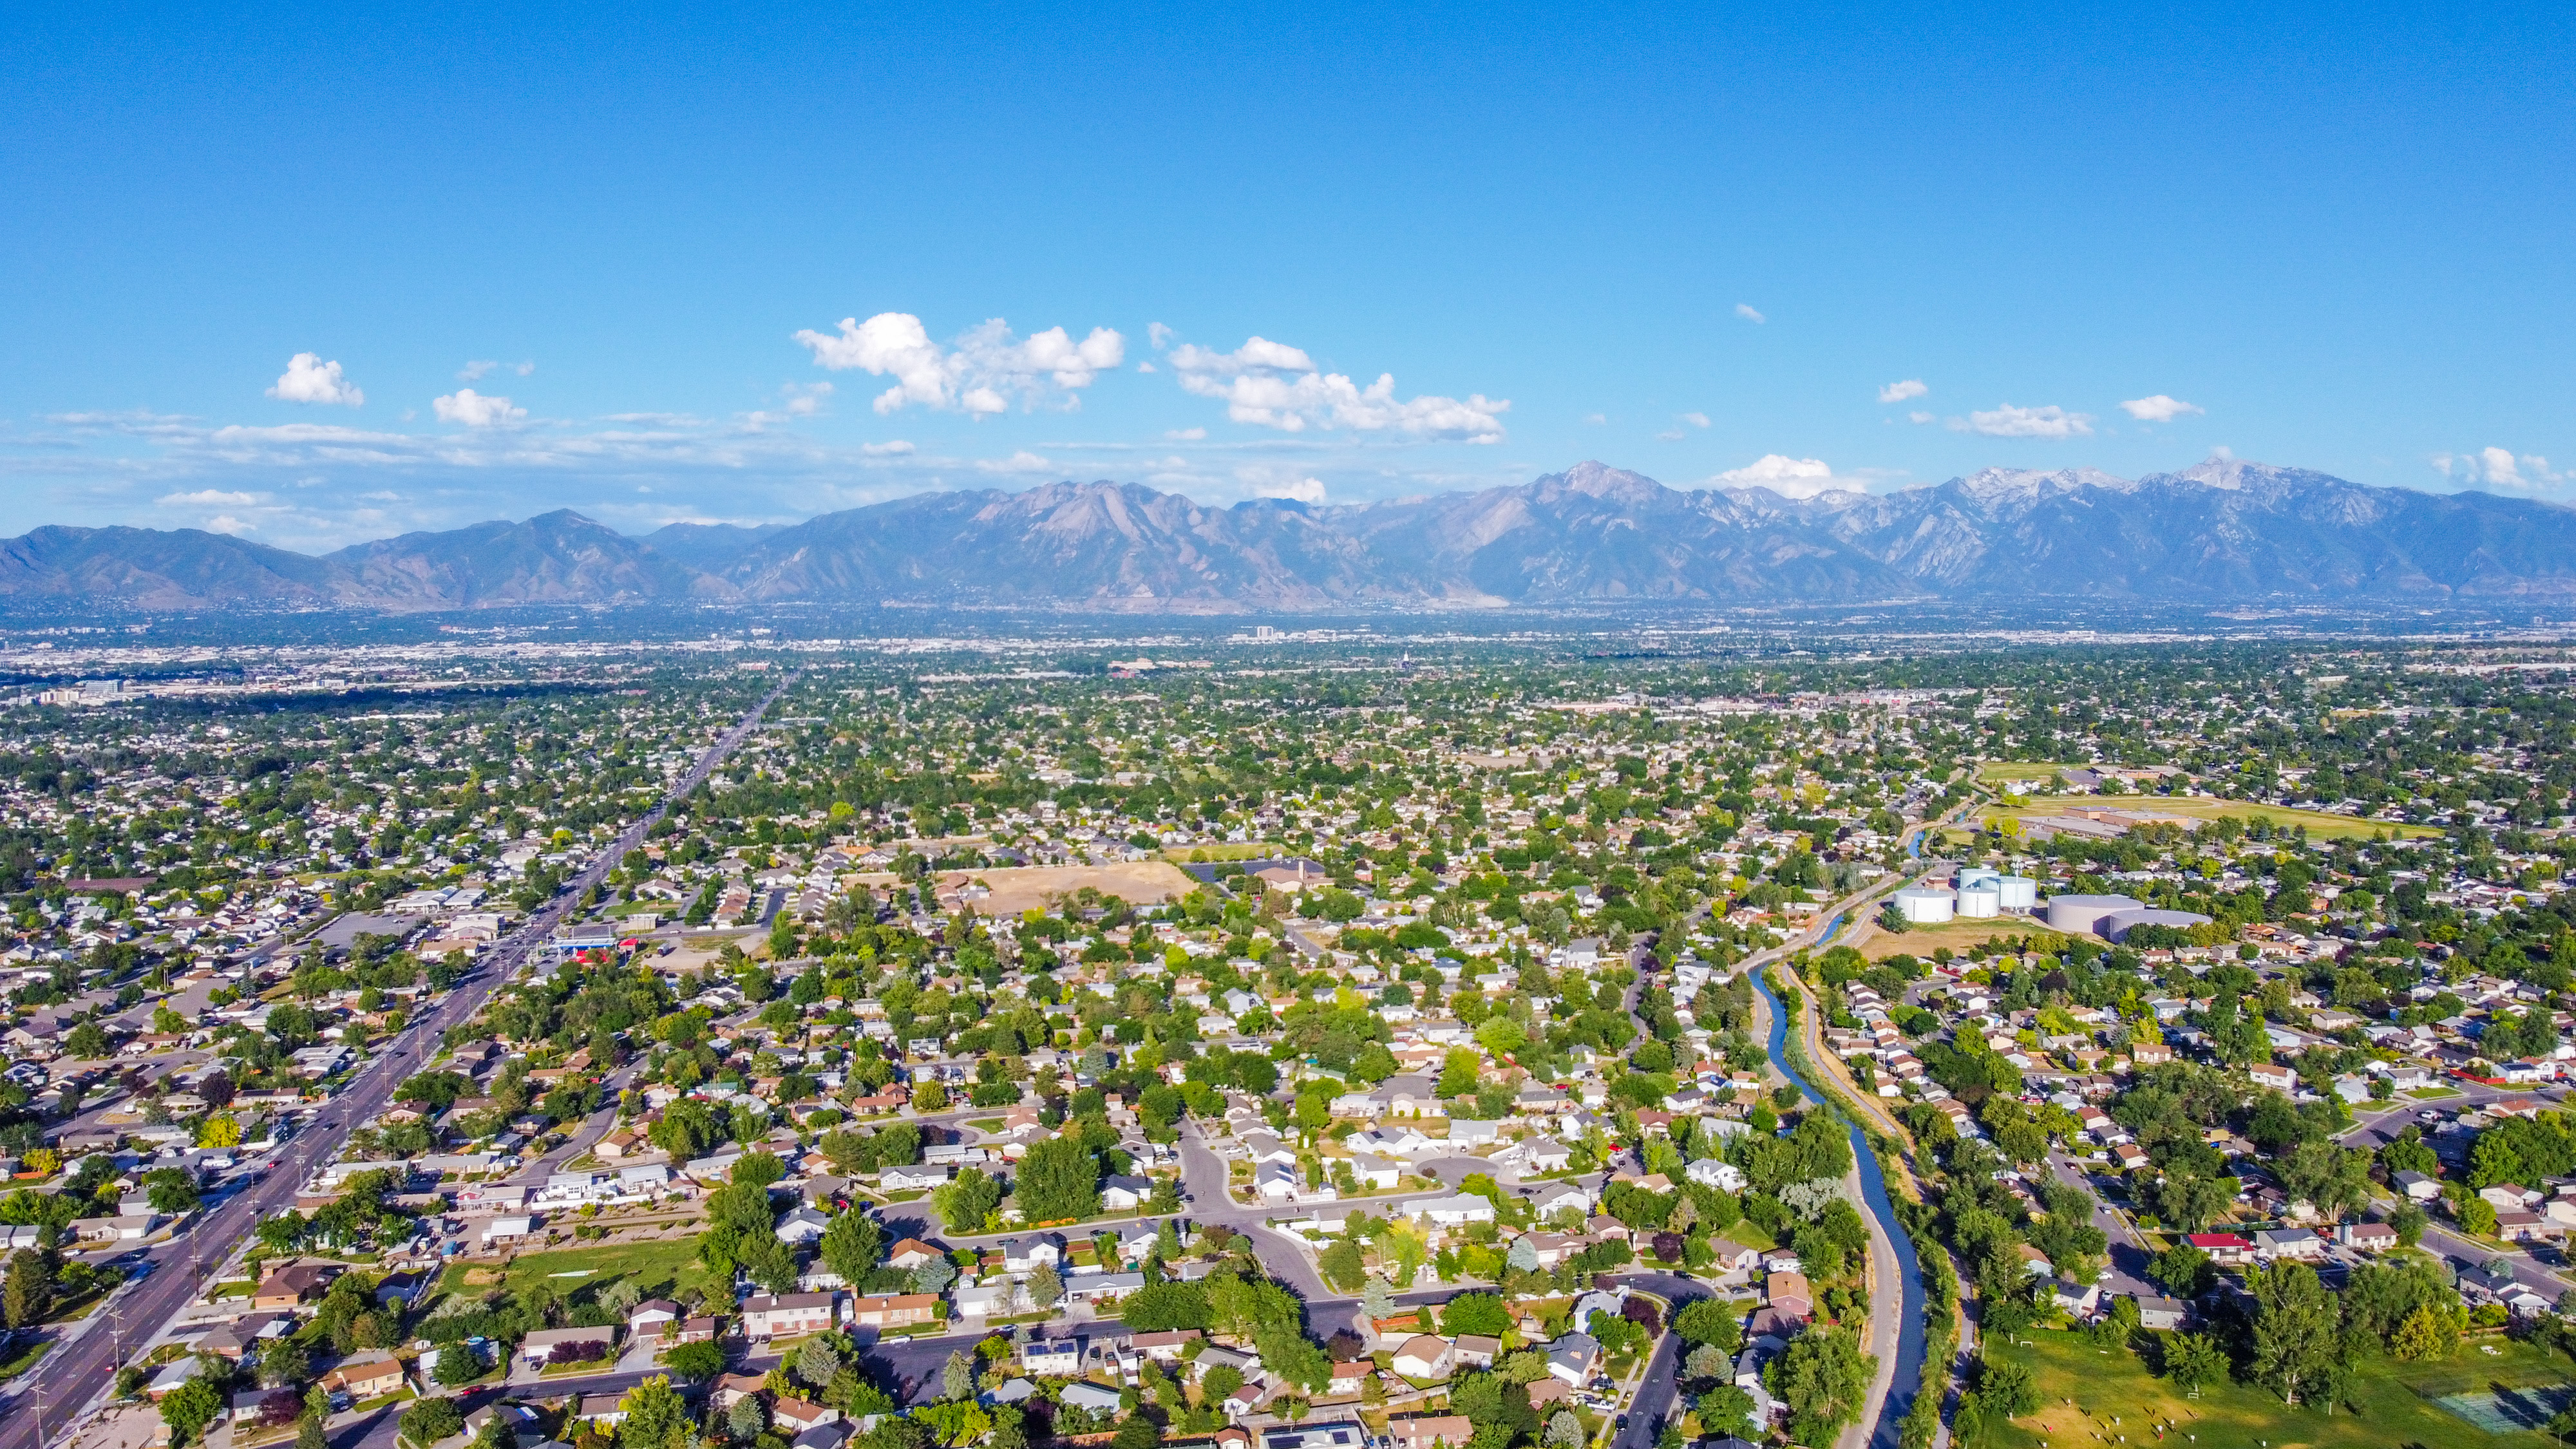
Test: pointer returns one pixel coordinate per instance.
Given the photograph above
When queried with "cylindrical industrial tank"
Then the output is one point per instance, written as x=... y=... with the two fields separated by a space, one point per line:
x=2017 y=892
x=1980 y=902
x=2083 y=915
x=1926 y=905
x=1972 y=876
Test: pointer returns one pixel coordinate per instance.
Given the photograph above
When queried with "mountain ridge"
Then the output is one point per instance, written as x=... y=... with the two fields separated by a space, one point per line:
x=2224 y=530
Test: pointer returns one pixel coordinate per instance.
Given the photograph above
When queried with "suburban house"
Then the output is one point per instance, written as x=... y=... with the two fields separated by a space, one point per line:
x=294 y=1284
x=2369 y=1237
x=911 y=1253
x=652 y=1318
x=1790 y=1293
x=1023 y=1255
x=538 y=1348
x=2276 y=1243
x=1573 y=1358
x=2162 y=1314
x=892 y=1311
x=1052 y=1356
x=1430 y=1431
x=784 y=1315
x=2223 y=1247
x=1424 y=1356
x=366 y=1376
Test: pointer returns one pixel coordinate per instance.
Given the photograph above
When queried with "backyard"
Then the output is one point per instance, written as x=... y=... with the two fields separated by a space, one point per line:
x=658 y=1270
x=2082 y=1389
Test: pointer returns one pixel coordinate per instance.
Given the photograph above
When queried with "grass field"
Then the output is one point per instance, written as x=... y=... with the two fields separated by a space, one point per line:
x=2320 y=824
x=1239 y=850
x=1995 y=772
x=2082 y=1389
x=1957 y=935
x=658 y=1269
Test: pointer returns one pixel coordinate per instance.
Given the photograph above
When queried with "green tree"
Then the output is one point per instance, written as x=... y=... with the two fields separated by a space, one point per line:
x=852 y=1245
x=957 y=1377
x=28 y=1294
x=2295 y=1328
x=190 y=1408
x=2008 y=1389
x=2425 y=1334
x=1059 y=1181
x=695 y=1362
x=1342 y=1265
x=2194 y=1360
x=656 y=1416
x=2477 y=1217
x=1822 y=1377
x=458 y=1365
x=430 y=1420
x=1046 y=1286
x=967 y=1199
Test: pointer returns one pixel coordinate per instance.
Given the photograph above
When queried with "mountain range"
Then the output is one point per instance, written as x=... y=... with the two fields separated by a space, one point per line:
x=2221 y=531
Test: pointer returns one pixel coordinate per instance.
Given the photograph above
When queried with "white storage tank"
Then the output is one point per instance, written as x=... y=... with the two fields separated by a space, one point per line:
x=1926 y=905
x=2083 y=915
x=2017 y=892
x=1980 y=902
x=1972 y=876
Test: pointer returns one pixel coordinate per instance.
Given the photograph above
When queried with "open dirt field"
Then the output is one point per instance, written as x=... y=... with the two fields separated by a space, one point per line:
x=1023 y=888
x=2320 y=823
x=1957 y=935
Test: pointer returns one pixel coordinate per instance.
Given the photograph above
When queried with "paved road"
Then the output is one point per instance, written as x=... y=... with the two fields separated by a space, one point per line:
x=80 y=1368
x=1661 y=1386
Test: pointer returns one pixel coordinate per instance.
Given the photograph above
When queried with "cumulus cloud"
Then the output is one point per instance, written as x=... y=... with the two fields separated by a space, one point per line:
x=477 y=371
x=1302 y=490
x=2009 y=421
x=1160 y=335
x=308 y=379
x=474 y=410
x=2159 y=408
x=1919 y=416
x=979 y=375
x=1273 y=385
x=1185 y=435
x=1745 y=311
x=1789 y=477
x=207 y=498
x=2500 y=468
x=1696 y=420
x=1897 y=392
x=1022 y=461
x=894 y=449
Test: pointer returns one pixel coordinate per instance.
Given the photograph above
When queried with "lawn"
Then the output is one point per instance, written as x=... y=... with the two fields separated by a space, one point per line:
x=659 y=1270
x=2432 y=1094
x=1997 y=771
x=25 y=1361
x=2321 y=824
x=2082 y=1388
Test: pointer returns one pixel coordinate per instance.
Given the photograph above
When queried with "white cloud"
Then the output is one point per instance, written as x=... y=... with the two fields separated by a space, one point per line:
x=308 y=379
x=1303 y=490
x=895 y=449
x=1696 y=420
x=1919 y=416
x=2500 y=468
x=226 y=523
x=1147 y=367
x=1596 y=417
x=1022 y=461
x=979 y=375
x=1160 y=335
x=1745 y=311
x=478 y=370
x=1272 y=385
x=1671 y=435
x=1897 y=392
x=807 y=400
x=474 y=410
x=1789 y=477
x=2159 y=408
x=2009 y=421
x=1186 y=435
x=207 y=498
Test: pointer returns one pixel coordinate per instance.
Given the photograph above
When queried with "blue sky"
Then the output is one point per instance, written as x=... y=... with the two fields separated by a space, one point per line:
x=564 y=259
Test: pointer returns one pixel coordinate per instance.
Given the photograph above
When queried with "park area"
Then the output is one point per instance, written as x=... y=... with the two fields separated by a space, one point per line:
x=2322 y=825
x=658 y=1270
x=1031 y=887
x=2473 y=1400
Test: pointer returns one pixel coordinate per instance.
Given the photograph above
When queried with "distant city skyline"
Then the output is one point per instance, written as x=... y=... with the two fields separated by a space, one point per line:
x=338 y=279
